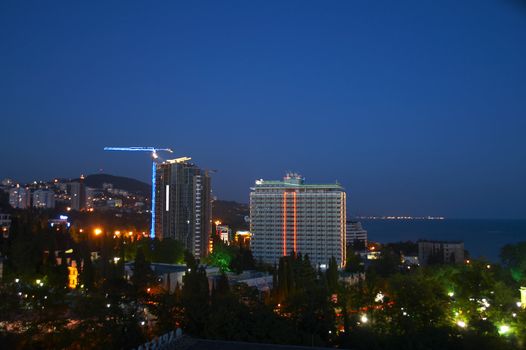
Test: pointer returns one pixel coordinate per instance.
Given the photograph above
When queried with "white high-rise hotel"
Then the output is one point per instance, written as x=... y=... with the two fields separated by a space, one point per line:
x=290 y=215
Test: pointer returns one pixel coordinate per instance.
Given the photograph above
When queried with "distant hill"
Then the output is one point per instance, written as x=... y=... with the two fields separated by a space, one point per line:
x=120 y=182
x=231 y=213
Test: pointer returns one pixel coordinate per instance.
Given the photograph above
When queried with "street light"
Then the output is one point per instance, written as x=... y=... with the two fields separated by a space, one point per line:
x=97 y=231
x=503 y=329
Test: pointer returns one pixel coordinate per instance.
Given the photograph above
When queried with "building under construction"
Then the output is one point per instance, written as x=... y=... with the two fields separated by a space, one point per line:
x=183 y=208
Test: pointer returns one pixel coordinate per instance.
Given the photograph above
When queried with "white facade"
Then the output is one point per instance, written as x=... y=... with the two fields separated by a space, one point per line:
x=441 y=252
x=44 y=199
x=356 y=235
x=290 y=216
x=223 y=232
x=20 y=198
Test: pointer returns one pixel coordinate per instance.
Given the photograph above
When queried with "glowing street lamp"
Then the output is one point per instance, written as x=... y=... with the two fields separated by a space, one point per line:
x=97 y=231
x=503 y=329
x=523 y=297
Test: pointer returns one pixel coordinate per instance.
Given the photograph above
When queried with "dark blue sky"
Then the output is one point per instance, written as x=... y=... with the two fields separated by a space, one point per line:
x=416 y=107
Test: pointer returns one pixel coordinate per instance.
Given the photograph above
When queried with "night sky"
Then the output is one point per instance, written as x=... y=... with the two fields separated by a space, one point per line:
x=416 y=107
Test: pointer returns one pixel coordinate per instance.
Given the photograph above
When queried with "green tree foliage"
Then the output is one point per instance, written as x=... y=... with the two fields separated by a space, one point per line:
x=405 y=248
x=421 y=303
x=387 y=264
x=354 y=262
x=143 y=275
x=513 y=256
x=166 y=251
x=243 y=260
x=195 y=298
x=236 y=258
x=305 y=296
x=332 y=276
x=221 y=256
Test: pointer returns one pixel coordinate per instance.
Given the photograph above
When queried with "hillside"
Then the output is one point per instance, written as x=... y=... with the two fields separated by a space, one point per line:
x=231 y=213
x=120 y=182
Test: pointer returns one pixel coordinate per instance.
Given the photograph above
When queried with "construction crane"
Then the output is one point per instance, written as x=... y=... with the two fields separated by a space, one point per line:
x=153 y=151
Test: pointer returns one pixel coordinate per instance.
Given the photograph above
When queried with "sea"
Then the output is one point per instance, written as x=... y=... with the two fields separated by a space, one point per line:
x=482 y=238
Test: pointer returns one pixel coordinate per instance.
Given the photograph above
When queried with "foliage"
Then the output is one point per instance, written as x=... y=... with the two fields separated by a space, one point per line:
x=513 y=256
x=235 y=258
x=387 y=264
x=166 y=251
x=142 y=273
x=354 y=262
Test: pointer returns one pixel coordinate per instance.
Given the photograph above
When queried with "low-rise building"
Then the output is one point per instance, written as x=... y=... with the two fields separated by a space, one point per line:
x=5 y=224
x=356 y=235
x=440 y=252
x=224 y=232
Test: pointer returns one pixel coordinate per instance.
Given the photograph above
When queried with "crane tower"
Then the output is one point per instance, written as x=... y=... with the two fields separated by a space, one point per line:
x=153 y=151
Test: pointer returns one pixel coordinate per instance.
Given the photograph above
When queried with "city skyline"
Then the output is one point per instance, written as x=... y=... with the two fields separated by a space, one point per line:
x=412 y=114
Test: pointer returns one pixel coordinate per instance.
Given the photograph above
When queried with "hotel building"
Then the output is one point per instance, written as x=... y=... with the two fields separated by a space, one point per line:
x=291 y=216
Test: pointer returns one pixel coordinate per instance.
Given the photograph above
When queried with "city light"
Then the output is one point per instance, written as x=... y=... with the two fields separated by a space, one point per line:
x=451 y=294
x=461 y=324
x=364 y=319
x=504 y=329
x=97 y=231
x=379 y=297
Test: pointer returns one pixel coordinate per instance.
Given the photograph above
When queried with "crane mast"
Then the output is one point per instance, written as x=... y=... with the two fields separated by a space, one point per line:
x=153 y=151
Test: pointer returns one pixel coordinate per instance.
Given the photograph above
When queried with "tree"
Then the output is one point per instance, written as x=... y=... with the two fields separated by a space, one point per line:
x=513 y=256
x=354 y=262
x=195 y=300
x=332 y=275
x=221 y=256
x=387 y=264
x=142 y=272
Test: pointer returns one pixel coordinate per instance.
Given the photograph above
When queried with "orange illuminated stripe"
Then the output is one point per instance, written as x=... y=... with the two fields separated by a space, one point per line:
x=295 y=250
x=284 y=223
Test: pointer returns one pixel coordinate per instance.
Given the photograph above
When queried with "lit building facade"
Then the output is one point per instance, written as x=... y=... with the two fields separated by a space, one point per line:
x=77 y=191
x=5 y=224
x=183 y=209
x=20 y=197
x=440 y=252
x=44 y=199
x=289 y=215
x=356 y=235
x=224 y=232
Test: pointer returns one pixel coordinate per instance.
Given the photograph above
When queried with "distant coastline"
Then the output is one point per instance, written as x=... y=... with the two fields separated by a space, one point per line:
x=483 y=238
x=400 y=218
